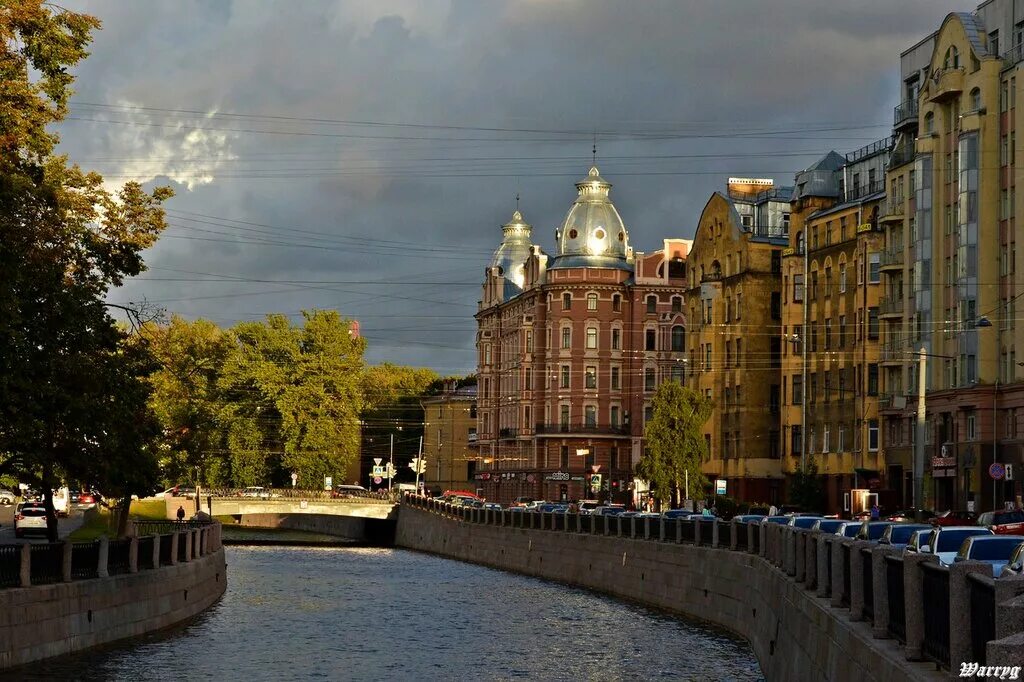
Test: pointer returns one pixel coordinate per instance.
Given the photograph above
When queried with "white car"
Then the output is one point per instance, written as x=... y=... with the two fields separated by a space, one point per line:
x=30 y=519
x=944 y=542
x=256 y=491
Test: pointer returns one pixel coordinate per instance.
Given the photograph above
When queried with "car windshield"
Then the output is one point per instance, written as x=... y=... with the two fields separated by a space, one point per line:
x=950 y=540
x=996 y=549
x=901 y=534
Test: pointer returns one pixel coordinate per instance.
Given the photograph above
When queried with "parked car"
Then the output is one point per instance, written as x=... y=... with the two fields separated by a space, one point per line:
x=588 y=506
x=898 y=534
x=910 y=515
x=678 y=514
x=492 y=505
x=827 y=525
x=180 y=491
x=347 y=491
x=918 y=541
x=945 y=541
x=955 y=518
x=748 y=518
x=1002 y=522
x=803 y=521
x=520 y=502
x=780 y=520
x=849 y=529
x=256 y=491
x=608 y=510
x=31 y=519
x=1015 y=566
x=995 y=550
x=872 y=530
x=7 y=497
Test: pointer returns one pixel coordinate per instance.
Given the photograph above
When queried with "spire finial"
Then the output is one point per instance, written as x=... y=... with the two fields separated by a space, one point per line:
x=517 y=201
x=594 y=151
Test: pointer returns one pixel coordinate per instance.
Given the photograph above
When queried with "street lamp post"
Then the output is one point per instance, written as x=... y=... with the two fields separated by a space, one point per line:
x=920 y=434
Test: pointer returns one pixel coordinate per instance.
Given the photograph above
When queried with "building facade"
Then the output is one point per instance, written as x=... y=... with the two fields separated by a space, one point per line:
x=954 y=228
x=571 y=348
x=733 y=302
x=449 y=434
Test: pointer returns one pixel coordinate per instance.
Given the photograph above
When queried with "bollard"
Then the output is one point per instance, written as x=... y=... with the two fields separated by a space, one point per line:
x=736 y=530
x=800 y=570
x=838 y=572
x=752 y=530
x=679 y=531
x=632 y=527
x=647 y=528
x=790 y=534
x=762 y=529
x=811 y=559
x=824 y=545
x=156 y=551
x=101 y=560
x=133 y=555
x=66 y=565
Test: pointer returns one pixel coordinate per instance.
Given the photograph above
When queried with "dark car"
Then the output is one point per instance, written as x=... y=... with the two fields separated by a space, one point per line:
x=898 y=534
x=955 y=517
x=1003 y=522
x=910 y=515
x=827 y=525
x=872 y=530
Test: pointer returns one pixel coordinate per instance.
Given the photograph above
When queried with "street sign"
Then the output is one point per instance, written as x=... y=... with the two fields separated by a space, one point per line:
x=720 y=486
x=328 y=483
x=295 y=478
x=378 y=471
x=595 y=483
x=1009 y=472
x=377 y=460
x=377 y=479
x=595 y=467
x=996 y=470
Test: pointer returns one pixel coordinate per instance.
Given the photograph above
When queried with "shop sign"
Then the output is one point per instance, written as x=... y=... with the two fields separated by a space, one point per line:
x=557 y=476
x=486 y=476
x=943 y=462
x=577 y=478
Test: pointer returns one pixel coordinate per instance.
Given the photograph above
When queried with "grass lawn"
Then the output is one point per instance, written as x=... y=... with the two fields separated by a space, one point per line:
x=103 y=522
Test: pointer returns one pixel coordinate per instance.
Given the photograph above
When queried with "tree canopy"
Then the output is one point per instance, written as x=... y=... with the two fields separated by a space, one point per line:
x=675 y=442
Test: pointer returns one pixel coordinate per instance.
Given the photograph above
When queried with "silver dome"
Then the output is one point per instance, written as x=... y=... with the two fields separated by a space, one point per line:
x=593 y=227
x=514 y=250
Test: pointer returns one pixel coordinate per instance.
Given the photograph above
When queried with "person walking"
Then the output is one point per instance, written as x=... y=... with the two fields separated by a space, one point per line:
x=181 y=514
x=874 y=512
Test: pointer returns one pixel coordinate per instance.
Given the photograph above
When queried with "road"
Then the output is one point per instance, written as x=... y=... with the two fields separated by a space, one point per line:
x=64 y=526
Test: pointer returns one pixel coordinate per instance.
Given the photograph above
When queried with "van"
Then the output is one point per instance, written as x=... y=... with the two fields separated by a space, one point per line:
x=61 y=502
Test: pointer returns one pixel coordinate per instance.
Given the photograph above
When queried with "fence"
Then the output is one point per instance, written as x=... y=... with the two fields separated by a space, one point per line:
x=24 y=565
x=918 y=583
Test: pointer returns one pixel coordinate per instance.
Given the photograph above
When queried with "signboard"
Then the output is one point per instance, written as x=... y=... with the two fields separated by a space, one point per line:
x=720 y=486
x=328 y=483
x=295 y=478
x=377 y=480
x=970 y=505
x=378 y=471
x=595 y=483
x=303 y=504
x=997 y=470
x=557 y=476
x=595 y=468
x=943 y=462
x=377 y=460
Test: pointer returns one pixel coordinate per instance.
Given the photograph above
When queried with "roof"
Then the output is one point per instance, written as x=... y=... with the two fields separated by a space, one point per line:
x=583 y=261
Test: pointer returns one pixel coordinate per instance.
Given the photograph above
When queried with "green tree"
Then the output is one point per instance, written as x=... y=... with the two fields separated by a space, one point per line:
x=186 y=399
x=65 y=240
x=674 y=441
x=806 y=489
x=291 y=398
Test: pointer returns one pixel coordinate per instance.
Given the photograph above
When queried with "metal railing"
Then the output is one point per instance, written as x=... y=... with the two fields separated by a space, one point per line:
x=85 y=558
x=983 y=614
x=876 y=147
x=724 y=534
x=165 y=549
x=897 y=625
x=118 y=553
x=618 y=429
x=865 y=190
x=890 y=306
x=146 y=552
x=904 y=111
x=47 y=563
x=10 y=565
x=891 y=256
x=936 y=613
x=707 y=533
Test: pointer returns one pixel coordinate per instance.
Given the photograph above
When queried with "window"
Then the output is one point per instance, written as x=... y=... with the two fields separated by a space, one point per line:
x=773 y=399
x=616 y=303
x=929 y=123
x=678 y=338
x=874 y=261
x=796 y=444
x=707 y=357
x=776 y=305
x=873 y=435
x=590 y=416
x=677 y=304
x=563 y=417
x=872 y=323
x=872 y=379
x=528 y=379
x=487 y=354
x=650 y=339
x=739 y=352
x=591 y=376
x=565 y=376
x=776 y=262
x=652 y=304
x=529 y=341
x=613 y=455
x=972 y=427
x=591 y=337
x=798 y=288
x=677 y=373
x=616 y=338
x=614 y=418
x=799 y=243
x=566 y=337
x=798 y=389
x=566 y=301
x=842 y=331
x=739 y=304
x=591 y=301
x=842 y=278
x=615 y=378
x=563 y=459
x=826 y=432
x=649 y=379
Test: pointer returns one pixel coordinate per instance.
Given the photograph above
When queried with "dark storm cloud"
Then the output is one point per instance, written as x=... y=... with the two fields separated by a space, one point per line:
x=420 y=216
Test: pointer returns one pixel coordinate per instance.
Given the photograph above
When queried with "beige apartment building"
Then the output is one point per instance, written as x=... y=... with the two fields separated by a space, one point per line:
x=449 y=432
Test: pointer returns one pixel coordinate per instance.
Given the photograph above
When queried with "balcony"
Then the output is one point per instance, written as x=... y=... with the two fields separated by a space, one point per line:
x=894 y=210
x=949 y=84
x=892 y=401
x=895 y=353
x=888 y=307
x=905 y=114
x=868 y=150
x=867 y=189
x=508 y=434
x=891 y=258
x=903 y=155
x=588 y=429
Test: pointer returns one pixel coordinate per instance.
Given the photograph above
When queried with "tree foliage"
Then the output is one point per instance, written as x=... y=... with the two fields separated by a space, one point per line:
x=675 y=441
x=68 y=374
x=806 y=489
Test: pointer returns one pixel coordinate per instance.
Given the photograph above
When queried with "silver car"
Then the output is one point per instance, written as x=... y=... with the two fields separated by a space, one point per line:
x=7 y=497
x=995 y=550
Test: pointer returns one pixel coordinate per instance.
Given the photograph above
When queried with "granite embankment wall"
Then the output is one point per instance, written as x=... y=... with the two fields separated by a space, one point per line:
x=370 y=531
x=794 y=635
x=51 y=620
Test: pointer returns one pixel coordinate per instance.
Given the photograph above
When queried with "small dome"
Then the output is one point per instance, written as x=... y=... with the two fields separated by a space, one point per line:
x=514 y=250
x=593 y=227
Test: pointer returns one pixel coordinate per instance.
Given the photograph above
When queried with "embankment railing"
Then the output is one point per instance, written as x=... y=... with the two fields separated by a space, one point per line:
x=25 y=564
x=906 y=597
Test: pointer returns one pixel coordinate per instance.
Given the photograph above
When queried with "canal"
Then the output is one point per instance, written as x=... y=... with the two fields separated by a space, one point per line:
x=384 y=614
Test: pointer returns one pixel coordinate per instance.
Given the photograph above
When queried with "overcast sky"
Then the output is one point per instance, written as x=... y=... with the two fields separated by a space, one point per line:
x=362 y=156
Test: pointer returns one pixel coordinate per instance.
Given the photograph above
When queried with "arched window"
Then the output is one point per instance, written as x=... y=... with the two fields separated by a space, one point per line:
x=652 y=304
x=678 y=338
x=799 y=242
x=952 y=60
x=677 y=304
x=975 y=99
x=616 y=303
x=591 y=338
x=929 y=122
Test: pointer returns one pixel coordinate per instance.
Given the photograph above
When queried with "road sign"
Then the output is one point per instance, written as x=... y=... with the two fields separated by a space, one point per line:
x=1009 y=472
x=720 y=486
x=996 y=470
x=295 y=478
x=378 y=471
x=377 y=460
x=595 y=468
x=595 y=483
x=328 y=483
x=377 y=479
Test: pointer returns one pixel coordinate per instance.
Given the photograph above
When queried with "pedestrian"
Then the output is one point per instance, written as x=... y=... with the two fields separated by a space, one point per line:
x=181 y=514
x=874 y=512
x=772 y=511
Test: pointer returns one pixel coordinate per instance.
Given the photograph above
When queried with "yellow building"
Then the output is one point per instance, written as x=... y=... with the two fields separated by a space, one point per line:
x=832 y=282
x=733 y=302
x=449 y=431
x=955 y=229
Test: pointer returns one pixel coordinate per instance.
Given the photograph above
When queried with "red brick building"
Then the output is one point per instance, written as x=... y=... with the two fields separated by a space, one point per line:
x=570 y=350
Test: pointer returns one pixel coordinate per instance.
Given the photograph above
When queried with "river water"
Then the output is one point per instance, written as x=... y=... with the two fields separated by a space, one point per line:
x=384 y=614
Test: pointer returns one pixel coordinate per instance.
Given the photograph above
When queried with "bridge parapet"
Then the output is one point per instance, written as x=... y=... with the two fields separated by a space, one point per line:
x=369 y=508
